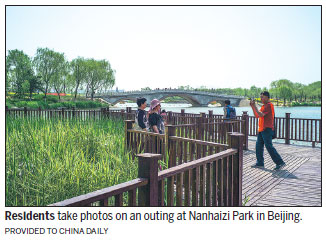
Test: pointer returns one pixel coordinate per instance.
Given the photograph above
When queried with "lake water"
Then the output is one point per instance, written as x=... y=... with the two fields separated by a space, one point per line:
x=296 y=112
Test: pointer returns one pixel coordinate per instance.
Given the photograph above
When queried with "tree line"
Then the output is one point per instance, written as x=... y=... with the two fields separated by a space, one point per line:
x=282 y=89
x=51 y=71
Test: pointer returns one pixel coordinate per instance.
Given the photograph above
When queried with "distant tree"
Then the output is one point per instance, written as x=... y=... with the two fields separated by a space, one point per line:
x=59 y=80
x=78 y=68
x=283 y=88
x=99 y=75
x=146 y=89
x=18 y=71
x=32 y=84
x=48 y=64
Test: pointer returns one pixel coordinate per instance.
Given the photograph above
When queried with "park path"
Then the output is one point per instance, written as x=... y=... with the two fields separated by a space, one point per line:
x=297 y=184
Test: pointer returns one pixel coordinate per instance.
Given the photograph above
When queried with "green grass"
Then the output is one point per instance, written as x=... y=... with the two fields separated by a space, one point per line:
x=52 y=160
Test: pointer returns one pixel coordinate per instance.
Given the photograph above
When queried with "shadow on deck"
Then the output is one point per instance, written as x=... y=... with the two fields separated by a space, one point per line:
x=297 y=184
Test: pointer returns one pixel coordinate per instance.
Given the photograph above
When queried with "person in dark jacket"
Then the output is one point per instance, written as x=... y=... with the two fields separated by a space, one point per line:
x=141 y=122
x=155 y=120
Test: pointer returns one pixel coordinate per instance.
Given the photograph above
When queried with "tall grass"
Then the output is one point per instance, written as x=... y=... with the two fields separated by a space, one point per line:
x=51 y=160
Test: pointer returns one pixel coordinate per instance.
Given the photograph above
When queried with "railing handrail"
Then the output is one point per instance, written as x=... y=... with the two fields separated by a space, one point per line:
x=200 y=142
x=195 y=163
x=102 y=193
x=146 y=133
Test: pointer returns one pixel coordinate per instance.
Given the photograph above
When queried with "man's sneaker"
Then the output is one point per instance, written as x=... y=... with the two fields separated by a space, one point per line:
x=279 y=167
x=257 y=166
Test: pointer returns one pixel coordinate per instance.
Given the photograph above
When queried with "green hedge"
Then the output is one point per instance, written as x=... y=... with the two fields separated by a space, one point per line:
x=296 y=104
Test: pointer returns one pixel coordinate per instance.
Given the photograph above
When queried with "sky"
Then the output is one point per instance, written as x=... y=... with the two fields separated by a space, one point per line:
x=164 y=46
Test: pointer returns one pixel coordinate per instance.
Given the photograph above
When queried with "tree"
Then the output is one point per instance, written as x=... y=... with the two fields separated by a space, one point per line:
x=18 y=70
x=282 y=88
x=32 y=84
x=47 y=63
x=99 y=75
x=59 y=80
x=78 y=68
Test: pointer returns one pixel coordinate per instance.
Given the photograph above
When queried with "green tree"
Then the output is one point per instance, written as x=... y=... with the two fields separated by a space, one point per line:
x=59 y=80
x=48 y=64
x=282 y=88
x=78 y=68
x=18 y=70
x=99 y=75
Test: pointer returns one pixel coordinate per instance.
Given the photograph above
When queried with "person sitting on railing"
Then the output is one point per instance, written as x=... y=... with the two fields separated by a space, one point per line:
x=141 y=122
x=265 y=132
x=155 y=120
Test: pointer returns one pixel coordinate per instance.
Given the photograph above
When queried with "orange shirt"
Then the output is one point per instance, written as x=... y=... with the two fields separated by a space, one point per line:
x=266 y=121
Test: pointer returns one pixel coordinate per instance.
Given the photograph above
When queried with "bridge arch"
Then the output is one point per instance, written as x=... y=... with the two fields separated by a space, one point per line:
x=124 y=99
x=221 y=102
x=190 y=100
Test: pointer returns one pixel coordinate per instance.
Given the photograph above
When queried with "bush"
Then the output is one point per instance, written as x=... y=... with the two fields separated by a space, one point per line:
x=297 y=104
x=52 y=99
x=21 y=104
x=38 y=97
x=33 y=105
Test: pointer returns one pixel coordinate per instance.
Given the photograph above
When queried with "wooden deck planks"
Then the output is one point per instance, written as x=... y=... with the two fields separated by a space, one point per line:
x=298 y=184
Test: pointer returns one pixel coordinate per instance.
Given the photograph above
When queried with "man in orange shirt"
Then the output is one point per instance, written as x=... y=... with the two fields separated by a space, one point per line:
x=265 y=132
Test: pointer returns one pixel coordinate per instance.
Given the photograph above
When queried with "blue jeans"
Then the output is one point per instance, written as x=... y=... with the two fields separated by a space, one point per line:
x=265 y=137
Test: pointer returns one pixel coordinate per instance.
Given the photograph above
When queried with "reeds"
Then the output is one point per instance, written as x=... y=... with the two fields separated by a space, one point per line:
x=51 y=160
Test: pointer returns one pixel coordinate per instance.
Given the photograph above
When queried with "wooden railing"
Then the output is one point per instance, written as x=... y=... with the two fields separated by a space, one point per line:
x=214 y=180
x=69 y=113
x=173 y=148
x=298 y=129
x=102 y=197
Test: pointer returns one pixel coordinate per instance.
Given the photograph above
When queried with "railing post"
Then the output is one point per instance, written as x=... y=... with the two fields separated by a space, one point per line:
x=169 y=120
x=128 y=126
x=128 y=110
x=210 y=114
x=122 y=113
x=63 y=112
x=170 y=131
x=25 y=112
x=183 y=120
x=202 y=126
x=107 y=112
x=198 y=128
x=148 y=168
x=237 y=143
x=245 y=128
x=287 y=128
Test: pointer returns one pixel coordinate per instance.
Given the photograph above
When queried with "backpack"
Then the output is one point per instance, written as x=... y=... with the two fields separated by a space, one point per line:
x=232 y=113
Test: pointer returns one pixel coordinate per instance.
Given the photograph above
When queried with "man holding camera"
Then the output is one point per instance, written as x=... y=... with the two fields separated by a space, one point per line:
x=265 y=132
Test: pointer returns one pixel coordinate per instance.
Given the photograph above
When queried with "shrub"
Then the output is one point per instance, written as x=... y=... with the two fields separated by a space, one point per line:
x=21 y=104
x=33 y=105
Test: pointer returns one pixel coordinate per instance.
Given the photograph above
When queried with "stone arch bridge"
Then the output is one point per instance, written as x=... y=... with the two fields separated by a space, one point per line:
x=196 y=98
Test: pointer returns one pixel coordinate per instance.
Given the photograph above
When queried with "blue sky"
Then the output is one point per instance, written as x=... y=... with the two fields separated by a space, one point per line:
x=173 y=46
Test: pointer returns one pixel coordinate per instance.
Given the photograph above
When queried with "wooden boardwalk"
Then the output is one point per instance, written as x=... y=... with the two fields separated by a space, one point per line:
x=297 y=184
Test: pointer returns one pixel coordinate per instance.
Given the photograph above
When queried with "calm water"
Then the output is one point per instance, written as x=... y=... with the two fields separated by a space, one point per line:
x=296 y=112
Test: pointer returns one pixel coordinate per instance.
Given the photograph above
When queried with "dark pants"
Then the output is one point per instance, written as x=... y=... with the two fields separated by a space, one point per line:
x=265 y=137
